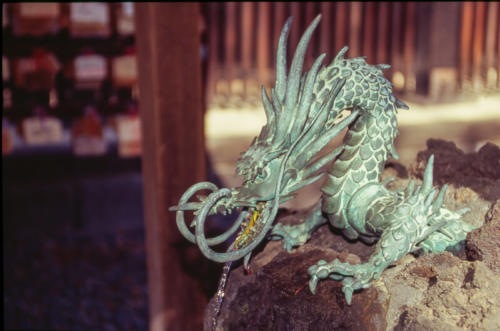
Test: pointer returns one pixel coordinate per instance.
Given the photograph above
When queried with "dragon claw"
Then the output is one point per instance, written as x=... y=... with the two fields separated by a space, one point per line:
x=348 y=289
x=313 y=283
x=353 y=277
x=291 y=235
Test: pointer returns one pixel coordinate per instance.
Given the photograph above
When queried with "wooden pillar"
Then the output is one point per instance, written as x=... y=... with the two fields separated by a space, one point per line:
x=436 y=48
x=356 y=16
x=370 y=28
x=326 y=41
x=263 y=42
x=409 y=48
x=168 y=47
x=341 y=26
x=477 y=45
x=466 y=41
x=382 y=46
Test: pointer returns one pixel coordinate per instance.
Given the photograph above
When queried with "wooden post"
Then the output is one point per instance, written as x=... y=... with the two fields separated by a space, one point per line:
x=466 y=41
x=295 y=30
x=311 y=53
x=247 y=45
x=326 y=28
x=491 y=39
x=263 y=42
x=383 y=33
x=247 y=32
x=168 y=47
x=355 y=29
x=341 y=25
x=370 y=28
x=396 y=28
x=409 y=48
x=477 y=45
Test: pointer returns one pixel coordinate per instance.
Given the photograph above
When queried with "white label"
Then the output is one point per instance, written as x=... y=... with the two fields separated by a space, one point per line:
x=89 y=12
x=129 y=129
x=129 y=136
x=38 y=131
x=90 y=67
x=39 y=10
x=128 y=8
x=125 y=69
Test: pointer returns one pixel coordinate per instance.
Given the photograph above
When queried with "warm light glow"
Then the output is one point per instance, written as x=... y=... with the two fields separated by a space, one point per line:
x=398 y=80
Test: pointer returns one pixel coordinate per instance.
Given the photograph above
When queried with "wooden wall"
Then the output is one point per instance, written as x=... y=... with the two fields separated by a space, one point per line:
x=427 y=44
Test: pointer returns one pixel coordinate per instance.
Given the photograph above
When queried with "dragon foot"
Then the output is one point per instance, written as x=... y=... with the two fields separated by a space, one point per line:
x=353 y=277
x=292 y=235
x=296 y=235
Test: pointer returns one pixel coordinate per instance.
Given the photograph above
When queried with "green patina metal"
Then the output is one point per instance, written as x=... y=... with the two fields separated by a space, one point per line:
x=303 y=115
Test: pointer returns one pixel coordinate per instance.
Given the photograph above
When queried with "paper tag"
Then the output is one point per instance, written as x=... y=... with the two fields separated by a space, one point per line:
x=129 y=136
x=90 y=67
x=124 y=70
x=44 y=10
x=125 y=19
x=39 y=131
x=128 y=8
x=89 y=12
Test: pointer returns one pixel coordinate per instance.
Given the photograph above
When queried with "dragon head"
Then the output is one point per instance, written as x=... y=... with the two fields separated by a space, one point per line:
x=278 y=162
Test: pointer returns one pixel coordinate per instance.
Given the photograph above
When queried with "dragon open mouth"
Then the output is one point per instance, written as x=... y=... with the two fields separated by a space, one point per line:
x=259 y=219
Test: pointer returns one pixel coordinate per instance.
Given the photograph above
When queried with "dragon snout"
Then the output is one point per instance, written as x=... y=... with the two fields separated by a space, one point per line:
x=258 y=216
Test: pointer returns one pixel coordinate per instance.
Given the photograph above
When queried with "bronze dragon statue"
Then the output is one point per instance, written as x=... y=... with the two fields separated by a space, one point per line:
x=304 y=113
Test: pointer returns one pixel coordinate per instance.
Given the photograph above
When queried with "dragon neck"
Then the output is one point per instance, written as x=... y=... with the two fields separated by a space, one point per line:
x=367 y=146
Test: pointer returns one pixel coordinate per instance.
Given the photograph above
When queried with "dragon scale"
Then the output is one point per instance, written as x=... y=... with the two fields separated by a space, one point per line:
x=369 y=140
x=304 y=113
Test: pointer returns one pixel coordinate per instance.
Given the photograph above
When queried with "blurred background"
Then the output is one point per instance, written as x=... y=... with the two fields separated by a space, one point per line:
x=111 y=111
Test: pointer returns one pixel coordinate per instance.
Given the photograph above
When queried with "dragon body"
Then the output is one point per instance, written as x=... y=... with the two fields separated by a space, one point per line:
x=304 y=113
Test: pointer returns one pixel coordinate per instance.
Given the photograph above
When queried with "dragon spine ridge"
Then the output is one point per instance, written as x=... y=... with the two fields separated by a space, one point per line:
x=303 y=115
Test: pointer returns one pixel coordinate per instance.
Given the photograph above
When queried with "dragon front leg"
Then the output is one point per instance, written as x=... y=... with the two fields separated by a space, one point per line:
x=296 y=235
x=390 y=248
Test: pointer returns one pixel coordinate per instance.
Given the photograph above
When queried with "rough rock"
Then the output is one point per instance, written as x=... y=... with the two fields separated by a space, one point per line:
x=429 y=292
x=483 y=244
x=277 y=297
x=453 y=295
x=480 y=171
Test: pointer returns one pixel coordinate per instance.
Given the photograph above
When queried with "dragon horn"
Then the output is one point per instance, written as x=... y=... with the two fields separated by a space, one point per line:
x=410 y=188
x=268 y=107
x=322 y=161
x=293 y=81
x=281 y=61
x=428 y=175
x=306 y=98
x=429 y=198
x=440 y=198
x=292 y=90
